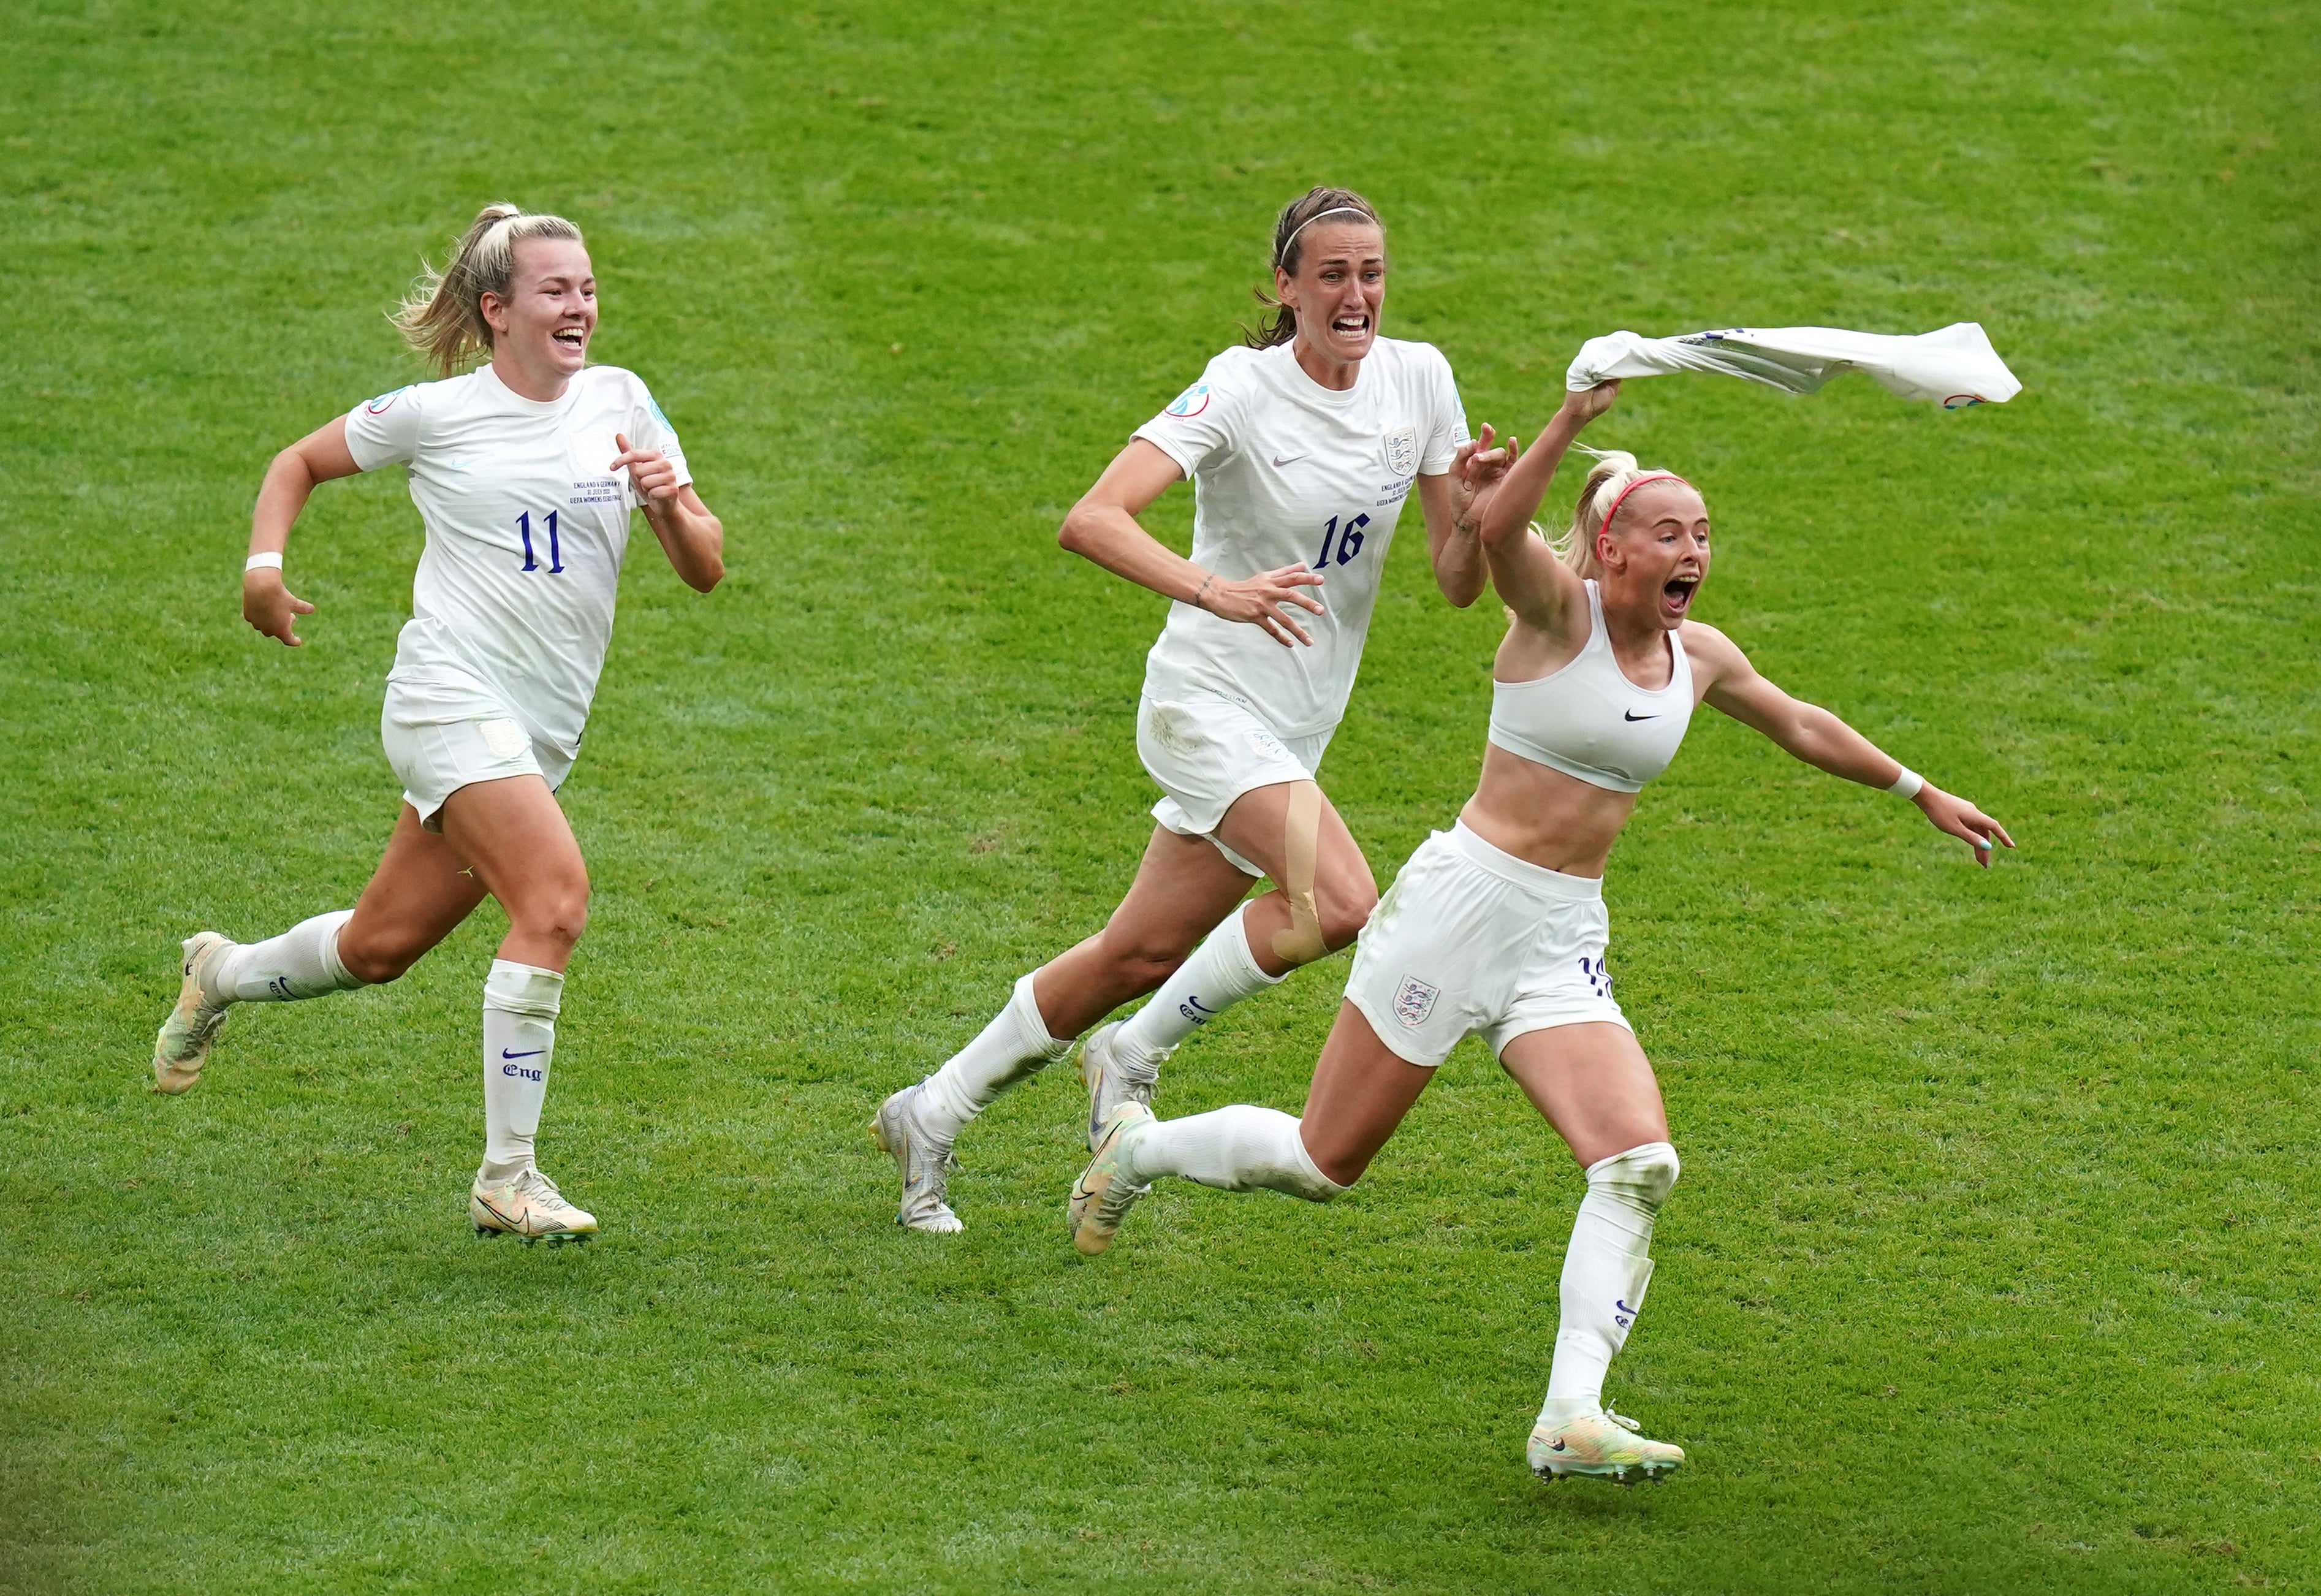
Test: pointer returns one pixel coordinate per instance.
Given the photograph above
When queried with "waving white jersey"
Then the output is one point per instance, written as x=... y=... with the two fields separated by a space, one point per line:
x=1284 y=471
x=526 y=526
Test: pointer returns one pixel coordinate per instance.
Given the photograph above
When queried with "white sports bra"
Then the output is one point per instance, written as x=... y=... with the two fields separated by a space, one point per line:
x=1590 y=721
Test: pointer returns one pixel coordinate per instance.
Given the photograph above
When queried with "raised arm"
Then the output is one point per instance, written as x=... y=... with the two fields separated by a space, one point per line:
x=1544 y=592
x=1454 y=502
x=320 y=456
x=1103 y=527
x=1812 y=734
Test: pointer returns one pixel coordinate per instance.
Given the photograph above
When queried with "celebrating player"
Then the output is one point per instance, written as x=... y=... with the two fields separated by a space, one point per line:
x=1302 y=448
x=1498 y=926
x=517 y=470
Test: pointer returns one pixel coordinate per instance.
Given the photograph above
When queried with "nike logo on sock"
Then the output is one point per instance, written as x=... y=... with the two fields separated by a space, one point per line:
x=534 y=1054
x=1632 y=714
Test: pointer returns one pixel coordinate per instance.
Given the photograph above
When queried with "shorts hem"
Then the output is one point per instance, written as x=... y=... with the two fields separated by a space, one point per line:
x=1515 y=1030
x=1379 y=1029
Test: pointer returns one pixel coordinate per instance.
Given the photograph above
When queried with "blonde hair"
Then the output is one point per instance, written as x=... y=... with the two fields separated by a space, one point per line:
x=442 y=316
x=1615 y=471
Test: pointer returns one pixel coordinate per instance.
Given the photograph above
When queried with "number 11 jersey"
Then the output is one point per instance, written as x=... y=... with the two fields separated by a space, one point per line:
x=1285 y=470
x=526 y=526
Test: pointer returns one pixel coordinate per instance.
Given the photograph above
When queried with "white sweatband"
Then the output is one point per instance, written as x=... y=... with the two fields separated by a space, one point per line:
x=1907 y=784
x=262 y=562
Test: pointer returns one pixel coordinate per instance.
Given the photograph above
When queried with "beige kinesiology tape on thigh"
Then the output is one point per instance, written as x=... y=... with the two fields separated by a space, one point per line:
x=1301 y=848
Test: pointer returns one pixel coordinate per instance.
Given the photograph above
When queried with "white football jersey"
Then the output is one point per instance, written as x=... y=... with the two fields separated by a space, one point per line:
x=526 y=525
x=1284 y=471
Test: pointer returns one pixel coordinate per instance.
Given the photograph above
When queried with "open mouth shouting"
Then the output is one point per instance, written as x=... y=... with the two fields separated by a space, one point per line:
x=1357 y=325
x=571 y=337
x=1676 y=598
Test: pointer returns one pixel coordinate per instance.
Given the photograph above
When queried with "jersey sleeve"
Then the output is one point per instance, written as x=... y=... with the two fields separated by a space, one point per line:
x=650 y=429
x=1446 y=419
x=385 y=431
x=1199 y=424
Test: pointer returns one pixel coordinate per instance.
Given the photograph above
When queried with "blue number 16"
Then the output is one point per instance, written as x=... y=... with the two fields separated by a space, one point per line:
x=1349 y=542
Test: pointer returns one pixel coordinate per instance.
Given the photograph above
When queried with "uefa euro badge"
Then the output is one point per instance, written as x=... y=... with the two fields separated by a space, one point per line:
x=1414 y=1001
x=1191 y=402
x=1402 y=451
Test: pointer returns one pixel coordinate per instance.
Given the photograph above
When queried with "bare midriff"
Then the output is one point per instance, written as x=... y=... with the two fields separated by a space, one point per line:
x=1544 y=817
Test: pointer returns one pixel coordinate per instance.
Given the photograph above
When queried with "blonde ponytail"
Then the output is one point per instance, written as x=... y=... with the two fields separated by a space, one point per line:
x=442 y=316
x=1615 y=472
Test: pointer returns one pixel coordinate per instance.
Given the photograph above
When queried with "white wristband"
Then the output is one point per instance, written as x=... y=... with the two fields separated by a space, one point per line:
x=1907 y=784
x=262 y=562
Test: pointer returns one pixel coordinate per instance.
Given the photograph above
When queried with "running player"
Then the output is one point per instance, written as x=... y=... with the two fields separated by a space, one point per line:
x=1498 y=926
x=517 y=470
x=1302 y=448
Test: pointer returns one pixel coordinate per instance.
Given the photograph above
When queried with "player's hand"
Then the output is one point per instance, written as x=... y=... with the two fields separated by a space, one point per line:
x=1258 y=600
x=1475 y=474
x=654 y=476
x=271 y=608
x=1588 y=403
x=1962 y=820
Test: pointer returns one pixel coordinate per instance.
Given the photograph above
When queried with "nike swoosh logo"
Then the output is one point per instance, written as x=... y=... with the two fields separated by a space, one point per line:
x=534 y=1054
x=1632 y=714
x=1292 y=461
x=1557 y=1446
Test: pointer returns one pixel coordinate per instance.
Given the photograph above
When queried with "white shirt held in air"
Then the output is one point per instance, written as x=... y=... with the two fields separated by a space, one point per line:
x=526 y=528
x=1284 y=471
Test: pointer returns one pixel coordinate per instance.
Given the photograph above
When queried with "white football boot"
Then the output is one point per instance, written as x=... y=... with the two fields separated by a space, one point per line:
x=1101 y=1196
x=1600 y=1446
x=529 y=1206
x=183 y=1047
x=923 y=1162
x=1107 y=1086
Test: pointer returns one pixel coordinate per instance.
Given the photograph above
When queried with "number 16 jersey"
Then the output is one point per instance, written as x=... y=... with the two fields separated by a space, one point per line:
x=1285 y=470
x=526 y=526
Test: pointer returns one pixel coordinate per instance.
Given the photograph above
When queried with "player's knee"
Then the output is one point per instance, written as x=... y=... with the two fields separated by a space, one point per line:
x=558 y=913
x=376 y=959
x=1344 y=913
x=1646 y=1174
x=1145 y=959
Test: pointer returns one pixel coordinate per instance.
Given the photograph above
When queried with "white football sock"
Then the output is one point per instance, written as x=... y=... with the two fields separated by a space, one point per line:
x=1220 y=973
x=301 y=963
x=1015 y=1044
x=520 y=1004
x=1604 y=1271
x=1235 y=1149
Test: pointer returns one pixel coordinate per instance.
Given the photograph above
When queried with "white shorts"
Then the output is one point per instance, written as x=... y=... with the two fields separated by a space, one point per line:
x=444 y=734
x=1206 y=749
x=1471 y=939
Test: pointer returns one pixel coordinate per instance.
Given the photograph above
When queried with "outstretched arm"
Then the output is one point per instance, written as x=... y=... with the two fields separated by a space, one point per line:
x=1544 y=593
x=1821 y=740
x=320 y=456
x=1103 y=527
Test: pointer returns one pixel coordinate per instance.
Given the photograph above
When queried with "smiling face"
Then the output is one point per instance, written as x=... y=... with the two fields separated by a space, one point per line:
x=1655 y=554
x=1337 y=289
x=541 y=330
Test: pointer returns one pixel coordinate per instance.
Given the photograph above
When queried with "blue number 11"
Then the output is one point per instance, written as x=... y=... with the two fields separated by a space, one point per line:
x=555 y=551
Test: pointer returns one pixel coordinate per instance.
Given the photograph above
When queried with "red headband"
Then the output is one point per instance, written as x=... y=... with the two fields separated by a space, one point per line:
x=1606 y=524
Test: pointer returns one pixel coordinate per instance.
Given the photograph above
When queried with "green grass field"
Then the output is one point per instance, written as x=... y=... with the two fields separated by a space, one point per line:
x=1992 y=1267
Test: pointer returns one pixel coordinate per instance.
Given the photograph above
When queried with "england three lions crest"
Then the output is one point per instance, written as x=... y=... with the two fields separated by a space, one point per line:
x=1414 y=1001
x=1402 y=451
